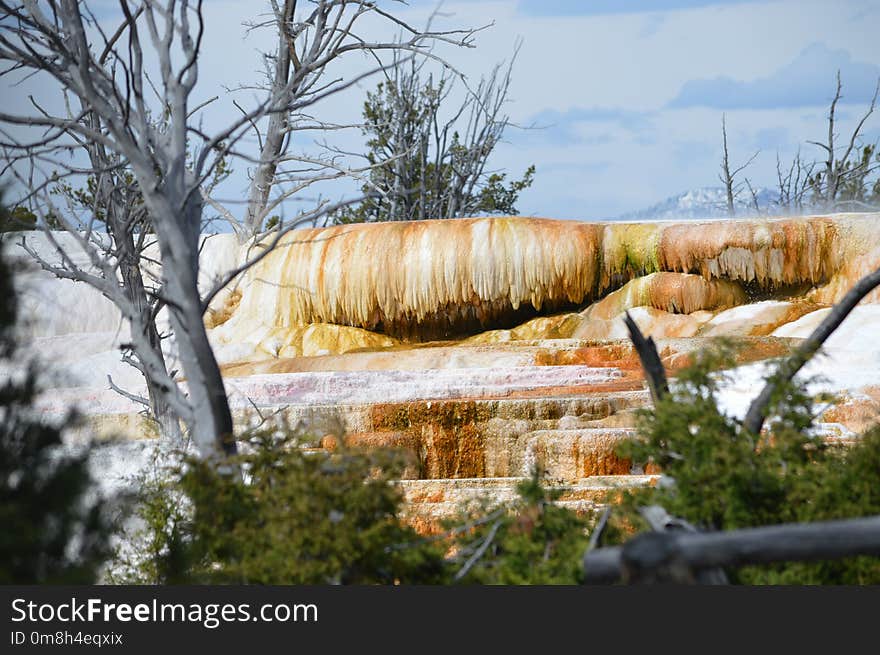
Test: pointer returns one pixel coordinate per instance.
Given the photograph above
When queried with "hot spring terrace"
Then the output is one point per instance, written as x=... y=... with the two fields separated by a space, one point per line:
x=482 y=347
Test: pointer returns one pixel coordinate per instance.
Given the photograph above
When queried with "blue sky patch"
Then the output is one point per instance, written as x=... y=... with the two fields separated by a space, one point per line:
x=603 y=7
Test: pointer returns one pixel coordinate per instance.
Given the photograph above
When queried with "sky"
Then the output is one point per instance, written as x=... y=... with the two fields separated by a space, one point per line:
x=633 y=92
x=619 y=103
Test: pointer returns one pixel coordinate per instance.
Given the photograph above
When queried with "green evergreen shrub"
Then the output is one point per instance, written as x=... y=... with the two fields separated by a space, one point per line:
x=293 y=517
x=532 y=541
x=725 y=478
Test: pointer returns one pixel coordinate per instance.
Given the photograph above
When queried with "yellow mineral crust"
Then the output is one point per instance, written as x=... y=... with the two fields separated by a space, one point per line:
x=675 y=293
x=859 y=254
x=657 y=300
x=446 y=274
x=425 y=280
x=309 y=341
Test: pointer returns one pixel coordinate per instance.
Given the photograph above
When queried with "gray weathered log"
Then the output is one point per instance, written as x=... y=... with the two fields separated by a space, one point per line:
x=683 y=552
x=642 y=564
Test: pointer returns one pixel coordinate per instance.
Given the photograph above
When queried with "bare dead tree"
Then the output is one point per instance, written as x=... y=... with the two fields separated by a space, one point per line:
x=307 y=46
x=842 y=182
x=753 y=196
x=727 y=176
x=837 y=171
x=116 y=202
x=112 y=111
x=133 y=124
x=793 y=185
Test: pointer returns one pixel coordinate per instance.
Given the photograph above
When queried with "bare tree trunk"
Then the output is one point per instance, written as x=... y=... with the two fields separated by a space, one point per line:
x=837 y=170
x=753 y=195
x=728 y=177
x=402 y=152
x=211 y=425
x=264 y=175
x=121 y=222
x=830 y=191
x=212 y=428
x=649 y=358
x=133 y=282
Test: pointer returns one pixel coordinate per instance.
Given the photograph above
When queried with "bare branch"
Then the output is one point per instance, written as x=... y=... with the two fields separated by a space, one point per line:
x=649 y=358
x=122 y=392
x=757 y=413
x=473 y=559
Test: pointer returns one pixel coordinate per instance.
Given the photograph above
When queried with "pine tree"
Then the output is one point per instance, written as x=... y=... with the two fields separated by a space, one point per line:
x=425 y=167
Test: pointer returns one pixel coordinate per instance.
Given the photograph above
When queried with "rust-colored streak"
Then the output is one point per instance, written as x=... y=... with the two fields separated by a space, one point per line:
x=444 y=435
x=445 y=279
x=771 y=252
x=219 y=316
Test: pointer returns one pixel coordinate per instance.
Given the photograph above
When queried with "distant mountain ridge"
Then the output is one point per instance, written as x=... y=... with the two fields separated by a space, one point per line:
x=702 y=202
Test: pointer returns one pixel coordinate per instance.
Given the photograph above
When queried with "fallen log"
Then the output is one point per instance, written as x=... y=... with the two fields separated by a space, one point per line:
x=679 y=556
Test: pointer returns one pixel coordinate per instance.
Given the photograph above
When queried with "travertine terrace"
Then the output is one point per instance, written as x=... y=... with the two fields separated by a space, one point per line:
x=482 y=347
